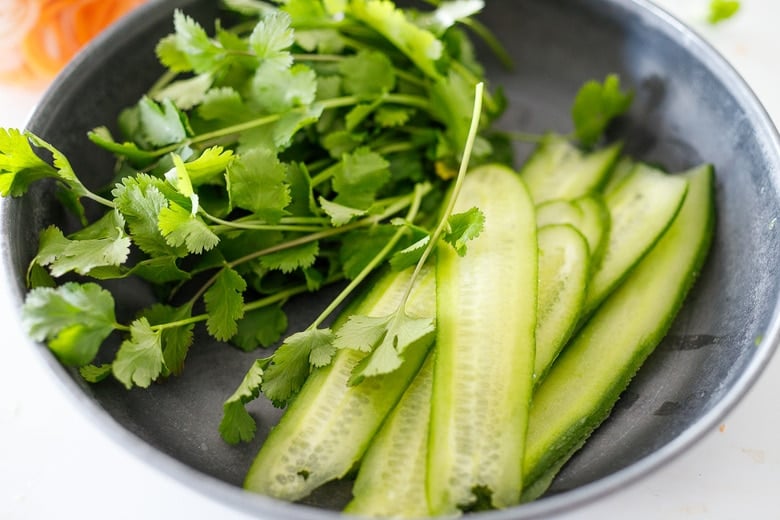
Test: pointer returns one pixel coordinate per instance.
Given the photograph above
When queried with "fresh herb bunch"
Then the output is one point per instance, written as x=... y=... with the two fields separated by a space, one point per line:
x=305 y=146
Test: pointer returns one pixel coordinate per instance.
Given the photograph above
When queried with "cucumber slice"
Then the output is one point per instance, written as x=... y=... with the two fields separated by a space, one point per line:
x=329 y=425
x=564 y=261
x=391 y=479
x=593 y=370
x=588 y=214
x=483 y=368
x=624 y=167
x=559 y=170
x=641 y=208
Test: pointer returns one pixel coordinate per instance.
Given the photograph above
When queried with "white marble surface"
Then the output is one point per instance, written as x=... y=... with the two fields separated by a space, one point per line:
x=55 y=464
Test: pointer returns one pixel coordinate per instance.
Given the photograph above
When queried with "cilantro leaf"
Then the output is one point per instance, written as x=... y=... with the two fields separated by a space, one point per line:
x=464 y=227
x=82 y=253
x=410 y=255
x=176 y=341
x=190 y=48
x=236 y=424
x=358 y=177
x=140 y=201
x=290 y=259
x=19 y=165
x=367 y=74
x=419 y=45
x=211 y=163
x=95 y=373
x=277 y=91
x=389 y=116
x=595 y=106
x=158 y=270
x=225 y=304
x=386 y=338
x=139 y=360
x=260 y=328
x=292 y=363
x=186 y=93
x=223 y=104
x=180 y=227
x=271 y=39
x=721 y=10
x=102 y=137
x=338 y=213
x=257 y=182
x=152 y=125
x=74 y=318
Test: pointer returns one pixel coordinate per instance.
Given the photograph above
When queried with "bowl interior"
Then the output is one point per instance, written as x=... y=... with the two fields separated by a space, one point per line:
x=689 y=108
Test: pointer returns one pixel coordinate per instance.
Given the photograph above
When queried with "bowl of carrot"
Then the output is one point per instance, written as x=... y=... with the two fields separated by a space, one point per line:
x=357 y=258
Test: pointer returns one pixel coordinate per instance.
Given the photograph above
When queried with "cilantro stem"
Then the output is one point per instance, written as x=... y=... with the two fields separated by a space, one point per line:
x=251 y=306
x=404 y=201
x=224 y=225
x=464 y=164
x=372 y=265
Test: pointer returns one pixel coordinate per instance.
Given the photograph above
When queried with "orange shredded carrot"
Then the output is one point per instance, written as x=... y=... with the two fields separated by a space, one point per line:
x=52 y=33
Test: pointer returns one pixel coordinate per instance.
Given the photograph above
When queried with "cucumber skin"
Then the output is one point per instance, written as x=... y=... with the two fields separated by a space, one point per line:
x=548 y=451
x=272 y=473
x=497 y=441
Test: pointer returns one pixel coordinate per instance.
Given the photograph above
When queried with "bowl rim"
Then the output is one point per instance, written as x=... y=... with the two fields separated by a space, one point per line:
x=238 y=499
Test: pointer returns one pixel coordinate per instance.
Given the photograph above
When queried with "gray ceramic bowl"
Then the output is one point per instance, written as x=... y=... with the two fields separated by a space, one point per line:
x=690 y=107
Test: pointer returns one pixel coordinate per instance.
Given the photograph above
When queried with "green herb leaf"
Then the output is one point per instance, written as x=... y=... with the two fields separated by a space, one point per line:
x=225 y=304
x=236 y=424
x=464 y=227
x=260 y=328
x=19 y=165
x=140 y=201
x=386 y=338
x=82 y=253
x=721 y=10
x=176 y=340
x=338 y=213
x=74 y=318
x=418 y=44
x=290 y=259
x=180 y=227
x=139 y=360
x=271 y=39
x=257 y=182
x=95 y=373
x=595 y=106
x=367 y=74
x=292 y=363
x=359 y=177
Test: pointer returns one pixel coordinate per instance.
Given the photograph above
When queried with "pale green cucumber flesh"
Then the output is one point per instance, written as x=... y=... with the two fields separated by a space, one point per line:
x=559 y=170
x=594 y=369
x=588 y=214
x=564 y=260
x=484 y=356
x=391 y=479
x=641 y=209
x=326 y=429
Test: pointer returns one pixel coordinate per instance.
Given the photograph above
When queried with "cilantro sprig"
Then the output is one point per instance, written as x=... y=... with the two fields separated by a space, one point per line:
x=309 y=145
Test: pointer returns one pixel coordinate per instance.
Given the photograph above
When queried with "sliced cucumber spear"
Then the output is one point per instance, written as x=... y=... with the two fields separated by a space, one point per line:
x=564 y=260
x=588 y=214
x=641 y=208
x=391 y=479
x=484 y=360
x=559 y=170
x=329 y=425
x=588 y=377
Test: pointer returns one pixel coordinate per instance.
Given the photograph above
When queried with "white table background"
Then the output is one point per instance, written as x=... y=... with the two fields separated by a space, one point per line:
x=54 y=463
